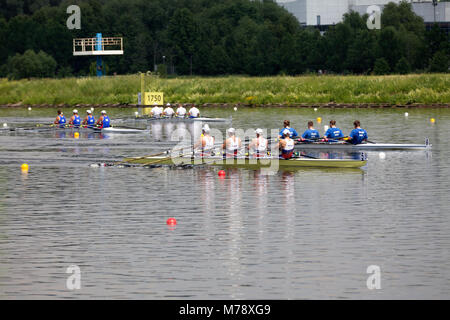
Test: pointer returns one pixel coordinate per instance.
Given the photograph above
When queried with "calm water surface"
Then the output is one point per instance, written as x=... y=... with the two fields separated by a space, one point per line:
x=310 y=233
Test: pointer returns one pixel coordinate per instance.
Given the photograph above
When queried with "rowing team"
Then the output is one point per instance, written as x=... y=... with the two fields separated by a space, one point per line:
x=258 y=147
x=168 y=112
x=333 y=134
x=89 y=120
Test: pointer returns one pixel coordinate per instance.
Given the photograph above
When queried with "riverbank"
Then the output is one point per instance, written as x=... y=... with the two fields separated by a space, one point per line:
x=422 y=90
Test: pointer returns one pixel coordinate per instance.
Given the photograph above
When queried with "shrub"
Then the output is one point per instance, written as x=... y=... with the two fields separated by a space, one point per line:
x=403 y=66
x=30 y=64
x=439 y=62
x=381 y=67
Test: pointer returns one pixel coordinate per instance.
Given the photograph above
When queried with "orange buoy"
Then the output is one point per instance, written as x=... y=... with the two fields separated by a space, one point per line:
x=222 y=173
x=171 y=221
x=24 y=167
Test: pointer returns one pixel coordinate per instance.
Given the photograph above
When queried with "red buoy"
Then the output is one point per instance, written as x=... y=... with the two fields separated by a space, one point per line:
x=222 y=173
x=171 y=221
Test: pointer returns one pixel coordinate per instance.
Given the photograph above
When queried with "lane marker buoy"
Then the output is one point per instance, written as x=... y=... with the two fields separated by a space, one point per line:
x=171 y=221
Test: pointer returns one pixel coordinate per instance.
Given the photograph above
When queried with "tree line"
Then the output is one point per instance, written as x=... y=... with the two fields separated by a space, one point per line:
x=210 y=37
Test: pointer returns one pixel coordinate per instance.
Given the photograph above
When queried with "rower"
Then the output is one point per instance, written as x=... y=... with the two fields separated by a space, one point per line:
x=156 y=111
x=75 y=120
x=286 y=145
x=206 y=142
x=286 y=125
x=181 y=111
x=168 y=112
x=104 y=121
x=358 y=135
x=233 y=144
x=194 y=112
x=89 y=120
x=333 y=132
x=60 y=119
x=258 y=146
x=311 y=133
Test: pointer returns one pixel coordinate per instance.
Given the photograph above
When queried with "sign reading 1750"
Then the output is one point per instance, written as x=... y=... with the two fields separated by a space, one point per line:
x=154 y=98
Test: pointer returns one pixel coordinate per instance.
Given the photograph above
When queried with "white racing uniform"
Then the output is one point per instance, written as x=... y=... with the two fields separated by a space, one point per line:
x=233 y=147
x=157 y=112
x=181 y=112
x=168 y=112
x=261 y=146
x=194 y=112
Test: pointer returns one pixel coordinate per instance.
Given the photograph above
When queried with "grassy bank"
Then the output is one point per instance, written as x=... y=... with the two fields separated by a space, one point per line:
x=395 y=89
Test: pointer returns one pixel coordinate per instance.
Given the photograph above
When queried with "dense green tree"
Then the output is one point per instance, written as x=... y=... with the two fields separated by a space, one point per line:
x=403 y=66
x=440 y=62
x=210 y=37
x=381 y=67
x=182 y=35
x=30 y=65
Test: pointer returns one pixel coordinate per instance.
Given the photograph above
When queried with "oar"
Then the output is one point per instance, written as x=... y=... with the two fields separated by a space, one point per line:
x=305 y=156
x=161 y=160
x=156 y=154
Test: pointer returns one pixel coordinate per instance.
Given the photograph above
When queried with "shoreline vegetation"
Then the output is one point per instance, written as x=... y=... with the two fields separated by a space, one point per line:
x=420 y=90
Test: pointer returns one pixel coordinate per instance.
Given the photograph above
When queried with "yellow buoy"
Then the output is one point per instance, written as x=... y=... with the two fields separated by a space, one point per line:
x=432 y=120
x=319 y=119
x=76 y=135
x=24 y=167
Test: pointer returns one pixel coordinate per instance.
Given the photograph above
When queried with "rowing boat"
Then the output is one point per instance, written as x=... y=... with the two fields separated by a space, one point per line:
x=175 y=119
x=360 y=147
x=110 y=130
x=250 y=163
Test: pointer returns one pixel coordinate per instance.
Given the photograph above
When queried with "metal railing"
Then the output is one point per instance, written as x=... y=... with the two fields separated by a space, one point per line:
x=91 y=44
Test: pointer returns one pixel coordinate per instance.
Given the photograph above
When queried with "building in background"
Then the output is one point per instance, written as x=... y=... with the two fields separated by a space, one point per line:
x=325 y=13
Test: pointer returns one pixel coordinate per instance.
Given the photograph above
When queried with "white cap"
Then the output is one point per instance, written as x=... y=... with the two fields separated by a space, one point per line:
x=88 y=111
x=286 y=132
x=231 y=130
x=206 y=128
x=103 y=112
x=259 y=131
x=168 y=104
x=75 y=111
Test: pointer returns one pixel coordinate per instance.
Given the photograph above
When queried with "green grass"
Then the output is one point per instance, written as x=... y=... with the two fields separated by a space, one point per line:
x=394 y=89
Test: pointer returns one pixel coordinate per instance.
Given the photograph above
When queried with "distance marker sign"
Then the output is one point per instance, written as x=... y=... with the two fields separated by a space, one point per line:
x=152 y=98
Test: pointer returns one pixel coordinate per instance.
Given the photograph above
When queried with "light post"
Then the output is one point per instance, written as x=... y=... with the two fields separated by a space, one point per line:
x=164 y=63
x=435 y=3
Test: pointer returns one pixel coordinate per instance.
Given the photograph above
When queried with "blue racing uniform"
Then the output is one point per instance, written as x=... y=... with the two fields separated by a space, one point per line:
x=62 y=121
x=90 y=121
x=334 y=133
x=358 y=136
x=311 y=134
x=293 y=135
x=76 y=121
x=106 y=123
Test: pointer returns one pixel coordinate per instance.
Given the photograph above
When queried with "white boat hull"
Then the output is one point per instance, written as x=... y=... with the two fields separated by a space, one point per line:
x=361 y=147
